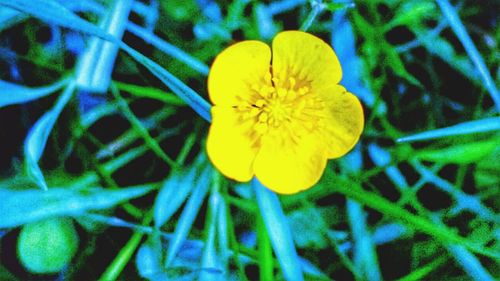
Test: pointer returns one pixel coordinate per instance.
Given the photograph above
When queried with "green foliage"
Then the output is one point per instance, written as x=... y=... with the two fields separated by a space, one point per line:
x=417 y=199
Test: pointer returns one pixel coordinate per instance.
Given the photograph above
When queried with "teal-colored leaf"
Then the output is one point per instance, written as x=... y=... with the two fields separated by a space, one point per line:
x=222 y=234
x=37 y=137
x=24 y=206
x=169 y=49
x=10 y=17
x=188 y=215
x=11 y=93
x=465 y=128
x=470 y=263
x=364 y=250
x=51 y=11
x=279 y=232
x=188 y=95
x=308 y=228
x=148 y=262
x=173 y=193
x=458 y=28
x=209 y=258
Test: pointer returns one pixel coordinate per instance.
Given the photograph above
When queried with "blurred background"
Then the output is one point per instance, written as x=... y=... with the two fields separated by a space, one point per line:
x=104 y=175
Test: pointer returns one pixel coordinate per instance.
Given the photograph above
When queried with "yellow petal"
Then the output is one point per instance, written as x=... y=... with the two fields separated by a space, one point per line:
x=236 y=70
x=230 y=145
x=306 y=58
x=287 y=166
x=344 y=121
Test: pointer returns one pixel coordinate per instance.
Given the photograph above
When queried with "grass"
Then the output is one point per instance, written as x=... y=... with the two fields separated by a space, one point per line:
x=103 y=129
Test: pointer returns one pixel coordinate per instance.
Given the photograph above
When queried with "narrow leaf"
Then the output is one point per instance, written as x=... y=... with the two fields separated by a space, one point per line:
x=188 y=95
x=279 y=232
x=174 y=192
x=149 y=92
x=354 y=191
x=209 y=259
x=188 y=215
x=169 y=49
x=460 y=153
x=364 y=251
x=459 y=29
x=11 y=93
x=25 y=206
x=37 y=137
x=51 y=11
x=465 y=128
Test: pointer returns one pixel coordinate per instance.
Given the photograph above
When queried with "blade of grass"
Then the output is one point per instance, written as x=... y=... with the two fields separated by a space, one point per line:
x=188 y=215
x=279 y=232
x=222 y=231
x=457 y=26
x=234 y=241
x=123 y=159
x=141 y=130
x=364 y=250
x=38 y=135
x=209 y=259
x=266 y=266
x=354 y=191
x=188 y=95
x=113 y=271
x=422 y=272
x=95 y=65
x=463 y=200
x=11 y=93
x=24 y=206
x=172 y=194
x=169 y=49
x=465 y=128
x=317 y=8
x=53 y=12
x=471 y=265
x=149 y=92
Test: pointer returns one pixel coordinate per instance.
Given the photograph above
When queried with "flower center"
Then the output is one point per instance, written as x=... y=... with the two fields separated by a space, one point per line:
x=286 y=106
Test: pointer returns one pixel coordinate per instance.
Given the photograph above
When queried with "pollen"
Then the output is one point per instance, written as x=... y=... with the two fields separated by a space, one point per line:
x=284 y=105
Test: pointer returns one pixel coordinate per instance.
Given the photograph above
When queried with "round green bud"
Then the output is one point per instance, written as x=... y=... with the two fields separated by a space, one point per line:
x=47 y=246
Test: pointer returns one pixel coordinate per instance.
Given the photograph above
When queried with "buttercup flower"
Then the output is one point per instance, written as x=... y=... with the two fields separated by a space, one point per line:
x=279 y=116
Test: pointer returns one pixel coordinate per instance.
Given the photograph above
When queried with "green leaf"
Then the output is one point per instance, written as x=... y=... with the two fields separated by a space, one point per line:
x=465 y=128
x=37 y=137
x=408 y=13
x=47 y=246
x=487 y=173
x=11 y=93
x=465 y=153
x=442 y=233
x=25 y=206
x=396 y=64
x=149 y=92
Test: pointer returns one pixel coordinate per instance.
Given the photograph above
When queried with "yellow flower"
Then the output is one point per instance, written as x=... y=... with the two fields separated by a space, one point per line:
x=280 y=118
